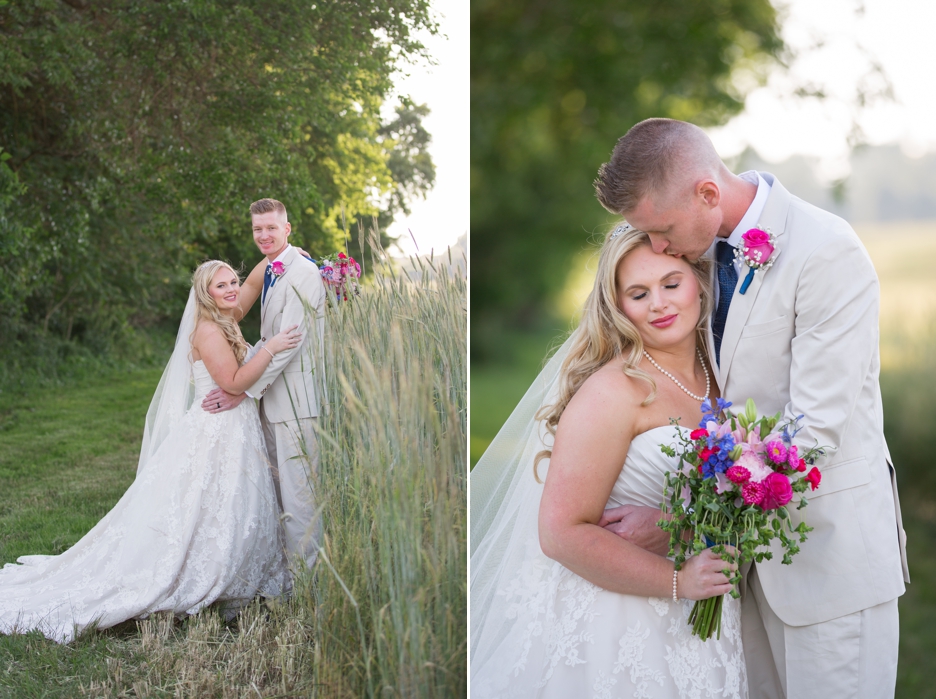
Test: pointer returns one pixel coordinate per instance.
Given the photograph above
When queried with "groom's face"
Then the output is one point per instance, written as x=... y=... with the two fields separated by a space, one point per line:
x=682 y=228
x=270 y=231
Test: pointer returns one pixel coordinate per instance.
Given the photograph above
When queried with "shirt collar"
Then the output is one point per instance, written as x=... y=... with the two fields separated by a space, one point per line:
x=279 y=258
x=753 y=214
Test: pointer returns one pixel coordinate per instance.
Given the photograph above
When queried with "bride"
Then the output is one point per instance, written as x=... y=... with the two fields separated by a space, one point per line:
x=559 y=606
x=200 y=523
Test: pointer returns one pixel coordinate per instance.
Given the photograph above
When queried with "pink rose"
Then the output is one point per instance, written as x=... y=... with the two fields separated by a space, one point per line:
x=278 y=268
x=777 y=491
x=757 y=247
x=814 y=478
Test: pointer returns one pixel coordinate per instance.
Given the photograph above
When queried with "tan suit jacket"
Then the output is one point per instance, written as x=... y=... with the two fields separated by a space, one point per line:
x=290 y=382
x=803 y=340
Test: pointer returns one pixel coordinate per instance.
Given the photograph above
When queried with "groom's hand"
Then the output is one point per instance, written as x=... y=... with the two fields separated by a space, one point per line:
x=638 y=525
x=220 y=400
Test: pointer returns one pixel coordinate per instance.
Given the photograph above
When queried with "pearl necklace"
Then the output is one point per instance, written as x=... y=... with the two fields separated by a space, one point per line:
x=708 y=383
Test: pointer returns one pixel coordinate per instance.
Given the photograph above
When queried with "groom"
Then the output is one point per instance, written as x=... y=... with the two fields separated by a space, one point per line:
x=800 y=337
x=293 y=294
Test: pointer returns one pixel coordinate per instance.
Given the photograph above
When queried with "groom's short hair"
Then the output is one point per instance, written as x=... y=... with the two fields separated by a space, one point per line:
x=265 y=206
x=643 y=162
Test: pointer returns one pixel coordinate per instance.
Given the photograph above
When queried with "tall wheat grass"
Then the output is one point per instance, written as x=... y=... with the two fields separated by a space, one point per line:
x=384 y=612
x=390 y=591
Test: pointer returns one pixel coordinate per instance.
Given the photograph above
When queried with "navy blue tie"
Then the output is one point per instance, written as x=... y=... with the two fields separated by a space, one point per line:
x=727 y=280
x=267 y=280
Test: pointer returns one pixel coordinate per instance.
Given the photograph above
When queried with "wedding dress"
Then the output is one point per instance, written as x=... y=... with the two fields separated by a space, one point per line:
x=200 y=524
x=540 y=630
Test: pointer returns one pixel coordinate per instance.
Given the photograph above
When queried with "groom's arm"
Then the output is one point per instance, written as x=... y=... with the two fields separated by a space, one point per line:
x=218 y=400
x=638 y=525
x=835 y=341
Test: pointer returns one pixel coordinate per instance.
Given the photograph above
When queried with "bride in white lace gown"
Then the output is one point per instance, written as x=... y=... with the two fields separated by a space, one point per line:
x=561 y=607
x=200 y=523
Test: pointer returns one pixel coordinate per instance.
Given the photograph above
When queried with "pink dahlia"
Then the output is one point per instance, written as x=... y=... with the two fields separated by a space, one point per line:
x=738 y=474
x=752 y=493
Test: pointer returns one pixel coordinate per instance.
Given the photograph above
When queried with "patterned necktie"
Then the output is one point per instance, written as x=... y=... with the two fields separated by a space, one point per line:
x=727 y=280
x=267 y=281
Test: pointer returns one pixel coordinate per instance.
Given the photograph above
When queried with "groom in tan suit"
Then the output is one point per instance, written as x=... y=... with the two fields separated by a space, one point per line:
x=293 y=294
x=801 y=339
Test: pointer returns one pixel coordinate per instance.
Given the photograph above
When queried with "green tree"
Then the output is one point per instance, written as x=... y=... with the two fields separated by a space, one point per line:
x=553 y=86
x=142 y=130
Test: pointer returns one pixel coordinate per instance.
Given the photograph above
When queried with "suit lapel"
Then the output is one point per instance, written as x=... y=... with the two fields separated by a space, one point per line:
x=710 y=340
x=275 y=288
x=773 y=218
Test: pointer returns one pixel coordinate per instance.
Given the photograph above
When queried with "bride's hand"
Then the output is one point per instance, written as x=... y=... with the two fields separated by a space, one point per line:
x=701 y=576
x=286 y=339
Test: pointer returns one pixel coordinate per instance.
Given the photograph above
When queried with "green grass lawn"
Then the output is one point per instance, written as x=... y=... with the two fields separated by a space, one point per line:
x=66 y=456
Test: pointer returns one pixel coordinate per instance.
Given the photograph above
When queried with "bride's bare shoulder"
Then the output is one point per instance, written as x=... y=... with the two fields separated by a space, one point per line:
x=610 y=389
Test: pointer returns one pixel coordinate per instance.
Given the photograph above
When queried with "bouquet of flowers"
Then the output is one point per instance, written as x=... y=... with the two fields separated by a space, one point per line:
x=737 y=475
x=340 y=272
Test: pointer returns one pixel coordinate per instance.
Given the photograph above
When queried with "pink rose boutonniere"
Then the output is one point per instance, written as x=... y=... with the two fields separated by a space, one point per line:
x=757 y=252
x=278 y=269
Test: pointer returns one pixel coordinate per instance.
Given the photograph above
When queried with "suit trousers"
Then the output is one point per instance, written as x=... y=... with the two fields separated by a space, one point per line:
x=293 y=450
x=851 y=657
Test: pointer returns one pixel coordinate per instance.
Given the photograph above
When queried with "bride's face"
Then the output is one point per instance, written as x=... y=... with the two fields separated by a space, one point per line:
x=660 y=295
x=224 y=289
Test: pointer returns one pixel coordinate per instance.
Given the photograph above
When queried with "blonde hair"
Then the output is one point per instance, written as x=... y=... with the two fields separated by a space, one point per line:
x=605 y=332
x=208 y=310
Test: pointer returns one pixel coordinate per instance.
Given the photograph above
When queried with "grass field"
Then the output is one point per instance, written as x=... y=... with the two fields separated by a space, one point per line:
x=902 y=254
x=383 y=614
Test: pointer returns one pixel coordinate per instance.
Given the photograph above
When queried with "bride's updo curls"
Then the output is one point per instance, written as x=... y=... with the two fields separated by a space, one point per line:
x=605 y=332
x=208 y=310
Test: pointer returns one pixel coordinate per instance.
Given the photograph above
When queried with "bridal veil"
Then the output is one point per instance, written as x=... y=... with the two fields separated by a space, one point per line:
x=176 y=389
x=505 y=498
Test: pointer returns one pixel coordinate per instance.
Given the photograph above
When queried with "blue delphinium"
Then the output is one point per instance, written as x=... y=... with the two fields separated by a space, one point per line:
x=709 y=414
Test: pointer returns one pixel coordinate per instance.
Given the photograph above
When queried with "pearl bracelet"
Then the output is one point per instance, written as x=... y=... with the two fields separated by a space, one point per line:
x=268 y=351
x=675 y=573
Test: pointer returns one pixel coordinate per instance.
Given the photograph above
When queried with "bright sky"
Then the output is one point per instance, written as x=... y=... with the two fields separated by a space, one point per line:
x=442 y=217
x=846 y=37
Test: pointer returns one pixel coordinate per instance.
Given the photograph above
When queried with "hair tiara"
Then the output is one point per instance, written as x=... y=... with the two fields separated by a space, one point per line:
x=623 y=228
